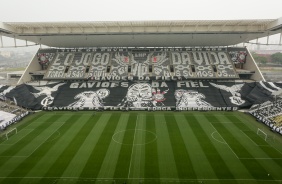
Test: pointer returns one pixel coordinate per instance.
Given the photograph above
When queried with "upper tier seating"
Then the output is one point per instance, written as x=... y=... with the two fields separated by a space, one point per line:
x=57 y=68
x=119 y=65
x=85 y=64
x=98 y=64
x=78 y=65
x=160 y=63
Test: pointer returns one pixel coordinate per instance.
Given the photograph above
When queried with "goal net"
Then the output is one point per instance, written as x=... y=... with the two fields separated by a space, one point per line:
x=262 y=134
x=11 y=132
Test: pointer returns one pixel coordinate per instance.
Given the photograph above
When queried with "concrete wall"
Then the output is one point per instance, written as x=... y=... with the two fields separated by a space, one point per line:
x=252 y=66
x=32 y=66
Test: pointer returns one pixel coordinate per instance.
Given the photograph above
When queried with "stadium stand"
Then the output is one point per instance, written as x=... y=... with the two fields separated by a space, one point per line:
x=119 y=65
x=160 y=64
x=277 y=120
x=144 y=79
x=164 y=95
x=77 y=68
x=98 y=65
x=270 y=113
x=95 y=64
x=141 y=79
x=10 y=113
x=58 y=66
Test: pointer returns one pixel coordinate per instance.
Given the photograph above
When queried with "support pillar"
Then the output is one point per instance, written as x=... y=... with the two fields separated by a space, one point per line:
x=15 y=41
x=1 y=40
x=280 y=40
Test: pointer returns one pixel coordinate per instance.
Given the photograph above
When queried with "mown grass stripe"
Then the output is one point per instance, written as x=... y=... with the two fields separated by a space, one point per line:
x=249 y=144
x=70 y=144
x=138 y=152
x=35 y=121
x=32 y=118
x=219 y=166
x=79 y=161
x=234 y=144
x=30 y=161
x=151 y=151
x=199 y=160
x=109 y=164
x=254 y=167
x=254 y=137
x=270 y=151
x=231 y=160
x=122 y=166
x=197 y=155
x=167 y=164
x=181 y=156
x=23 y=143
x=93 y=165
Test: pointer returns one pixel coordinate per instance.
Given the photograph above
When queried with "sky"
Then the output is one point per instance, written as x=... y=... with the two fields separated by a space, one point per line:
x=130 y=10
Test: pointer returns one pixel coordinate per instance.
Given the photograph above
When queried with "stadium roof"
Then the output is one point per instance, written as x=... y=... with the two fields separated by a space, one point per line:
x=142 y=33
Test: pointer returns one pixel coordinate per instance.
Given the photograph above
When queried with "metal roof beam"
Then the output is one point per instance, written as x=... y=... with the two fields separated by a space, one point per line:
x=132 y=27
x=183 y=27
x=223 y=26
x=118 y=27
x=209 y=26
x=1 y=40
x=56 y=29
x=196 y=27
x=93 y=28
x=81 y=28
x=7 y=27
x=67 y=27
x=105 y=25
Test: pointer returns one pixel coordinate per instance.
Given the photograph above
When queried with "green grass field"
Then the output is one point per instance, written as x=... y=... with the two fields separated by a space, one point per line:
x=140 y=147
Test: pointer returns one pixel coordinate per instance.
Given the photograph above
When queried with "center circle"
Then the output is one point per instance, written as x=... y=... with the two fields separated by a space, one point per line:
x=135 y=137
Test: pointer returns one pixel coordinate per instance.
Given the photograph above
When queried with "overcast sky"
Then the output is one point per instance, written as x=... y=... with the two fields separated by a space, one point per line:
x=123 y=10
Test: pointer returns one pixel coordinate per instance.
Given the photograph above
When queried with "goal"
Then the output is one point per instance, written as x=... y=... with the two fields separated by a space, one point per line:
x=262 y=134
x=11 y=132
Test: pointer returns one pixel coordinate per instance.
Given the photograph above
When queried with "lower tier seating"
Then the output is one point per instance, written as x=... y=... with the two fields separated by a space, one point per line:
x=181 y=95
x=270 y=113
x=10 y=113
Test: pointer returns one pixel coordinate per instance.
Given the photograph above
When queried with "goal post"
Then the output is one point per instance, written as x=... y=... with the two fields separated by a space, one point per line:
x=11 y=132
x=260 y=132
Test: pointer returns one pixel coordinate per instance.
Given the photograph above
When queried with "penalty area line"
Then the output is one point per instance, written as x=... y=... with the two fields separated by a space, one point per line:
x=225 y=142
x=19 y=133
x=39 y=144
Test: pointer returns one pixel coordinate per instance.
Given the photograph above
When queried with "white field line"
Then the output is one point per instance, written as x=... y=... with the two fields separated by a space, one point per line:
x=132 y=148
x=260 y=158
x=30 y=130
x=26 y=128
x=225 y=141
x=249 y=138
x=262 y=145
x=268 y=158
x=39 y=144
x=276 y=149
x=224 y=122
x=168 y=179
x=45 y=139
x=216 y=139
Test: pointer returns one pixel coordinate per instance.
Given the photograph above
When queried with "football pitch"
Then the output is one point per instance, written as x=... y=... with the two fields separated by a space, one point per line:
x=140 y=147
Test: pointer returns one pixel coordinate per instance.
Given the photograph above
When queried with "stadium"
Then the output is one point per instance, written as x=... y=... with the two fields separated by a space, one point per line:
x=141 y=102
